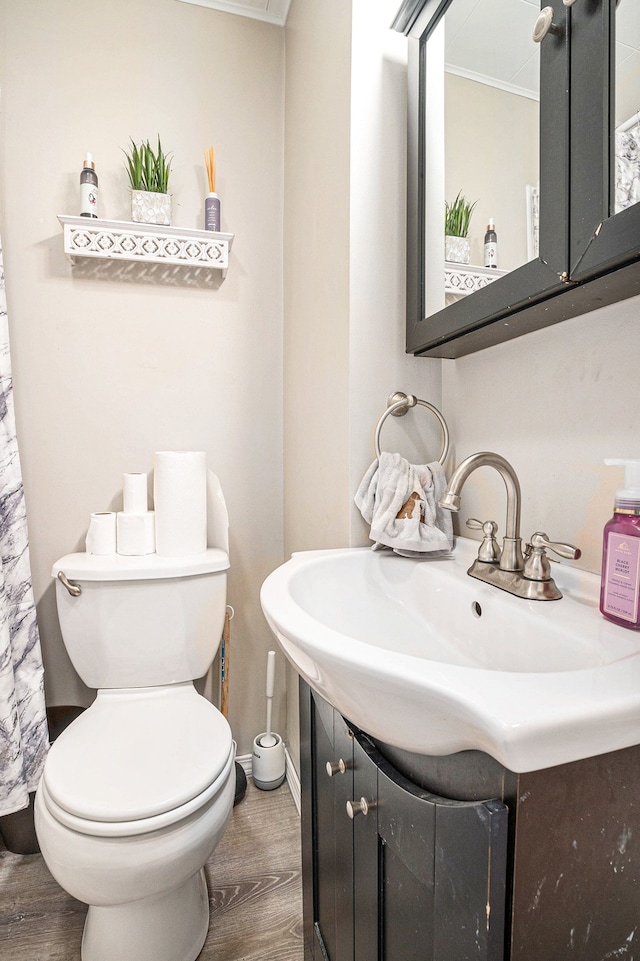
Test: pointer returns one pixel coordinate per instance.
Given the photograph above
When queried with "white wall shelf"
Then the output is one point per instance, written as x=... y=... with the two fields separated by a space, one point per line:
x=463 y=279
x=144 y=243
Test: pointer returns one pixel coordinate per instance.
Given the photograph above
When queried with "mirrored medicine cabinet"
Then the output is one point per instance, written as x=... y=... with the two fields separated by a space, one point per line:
x=542 y=133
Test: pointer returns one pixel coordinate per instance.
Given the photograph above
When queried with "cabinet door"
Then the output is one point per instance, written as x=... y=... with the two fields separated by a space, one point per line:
x=332 y=836
x=604 y=95
x=429 y=873
x=589 y=253
x=521 y=301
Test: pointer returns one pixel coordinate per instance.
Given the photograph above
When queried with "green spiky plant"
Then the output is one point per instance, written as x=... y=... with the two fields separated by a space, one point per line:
x=458 y=216
x=148 y=169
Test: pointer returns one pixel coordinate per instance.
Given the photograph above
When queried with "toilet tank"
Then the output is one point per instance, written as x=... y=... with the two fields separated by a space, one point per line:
x=142 y=621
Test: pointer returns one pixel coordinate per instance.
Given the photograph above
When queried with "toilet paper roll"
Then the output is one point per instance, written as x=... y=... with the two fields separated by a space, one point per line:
x=136 y=533
x=101 y=536
x=134 y=493
x=180 y=502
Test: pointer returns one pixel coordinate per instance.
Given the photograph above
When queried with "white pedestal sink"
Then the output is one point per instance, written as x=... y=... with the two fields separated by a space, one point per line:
x=425 y=658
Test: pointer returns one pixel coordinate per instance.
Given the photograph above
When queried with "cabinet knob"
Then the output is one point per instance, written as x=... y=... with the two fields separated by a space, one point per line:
x=359 y=807
x=336 y=767
x=544 y=25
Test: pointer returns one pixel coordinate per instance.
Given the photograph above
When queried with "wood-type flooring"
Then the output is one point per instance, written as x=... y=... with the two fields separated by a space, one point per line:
x=255 y=893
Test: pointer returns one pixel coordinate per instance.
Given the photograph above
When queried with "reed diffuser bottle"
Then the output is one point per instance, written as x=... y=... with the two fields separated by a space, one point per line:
x=212 y=201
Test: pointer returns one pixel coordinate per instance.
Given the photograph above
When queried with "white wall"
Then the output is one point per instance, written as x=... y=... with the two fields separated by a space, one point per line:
x=555 y=403
x=316 y=258
x=344 y=266
x=106 y=371
x=378 y=365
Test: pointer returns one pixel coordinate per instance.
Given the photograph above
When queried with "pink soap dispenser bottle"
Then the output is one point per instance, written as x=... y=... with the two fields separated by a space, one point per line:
x=620 y=591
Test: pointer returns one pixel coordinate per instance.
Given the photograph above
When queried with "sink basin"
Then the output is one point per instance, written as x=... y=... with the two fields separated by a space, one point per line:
x=429 y=660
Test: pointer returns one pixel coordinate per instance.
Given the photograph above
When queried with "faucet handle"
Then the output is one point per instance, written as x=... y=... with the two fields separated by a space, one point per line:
x=489 y=551
x=536 y=565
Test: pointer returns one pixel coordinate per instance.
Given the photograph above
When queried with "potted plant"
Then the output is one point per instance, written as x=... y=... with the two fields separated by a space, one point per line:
x=456 y=227
x=148 y=172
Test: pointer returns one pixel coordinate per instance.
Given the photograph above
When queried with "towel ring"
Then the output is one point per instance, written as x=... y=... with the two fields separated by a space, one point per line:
x=398 y=404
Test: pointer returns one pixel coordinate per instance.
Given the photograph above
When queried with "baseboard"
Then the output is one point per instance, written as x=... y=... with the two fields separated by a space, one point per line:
x=244 y=760
x=293 y=780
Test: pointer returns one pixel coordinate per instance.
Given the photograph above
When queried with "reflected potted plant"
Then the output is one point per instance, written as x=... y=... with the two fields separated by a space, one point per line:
x=457 y=248
x=148 y=171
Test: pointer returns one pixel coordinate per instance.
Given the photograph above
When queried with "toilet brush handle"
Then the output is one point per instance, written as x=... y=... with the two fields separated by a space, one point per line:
x=268 y=731
x=271 y=672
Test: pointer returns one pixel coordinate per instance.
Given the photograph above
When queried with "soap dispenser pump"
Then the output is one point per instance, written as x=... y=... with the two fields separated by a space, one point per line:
x=620 y=591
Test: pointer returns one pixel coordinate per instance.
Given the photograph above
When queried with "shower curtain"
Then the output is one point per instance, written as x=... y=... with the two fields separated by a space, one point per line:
x=627 y=165
x=24 y=738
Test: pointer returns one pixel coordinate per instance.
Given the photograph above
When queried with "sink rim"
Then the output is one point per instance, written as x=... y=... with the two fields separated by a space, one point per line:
x=526 y=721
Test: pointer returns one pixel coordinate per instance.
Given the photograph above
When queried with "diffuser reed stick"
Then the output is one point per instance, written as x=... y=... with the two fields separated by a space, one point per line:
x=210 y=162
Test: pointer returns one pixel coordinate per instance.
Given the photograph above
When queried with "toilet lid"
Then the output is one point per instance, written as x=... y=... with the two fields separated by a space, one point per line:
x=137 y=754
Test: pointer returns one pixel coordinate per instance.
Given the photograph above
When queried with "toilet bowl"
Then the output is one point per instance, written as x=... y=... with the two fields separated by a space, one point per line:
x=127 y=814
x=136 y=792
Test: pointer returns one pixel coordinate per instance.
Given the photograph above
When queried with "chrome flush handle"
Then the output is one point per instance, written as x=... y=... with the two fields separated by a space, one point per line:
x=74 y=589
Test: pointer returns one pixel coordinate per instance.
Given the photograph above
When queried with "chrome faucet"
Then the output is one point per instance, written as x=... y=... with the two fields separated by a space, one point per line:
x=525 y=576
x=511 y=557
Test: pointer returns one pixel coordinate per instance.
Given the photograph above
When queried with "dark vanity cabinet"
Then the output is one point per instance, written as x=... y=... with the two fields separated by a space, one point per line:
x=458 y=858
x=391 y=871
x=589 y=255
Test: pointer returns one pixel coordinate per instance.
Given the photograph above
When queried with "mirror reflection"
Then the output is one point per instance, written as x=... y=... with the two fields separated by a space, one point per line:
x=491 y=113
x=627 y=105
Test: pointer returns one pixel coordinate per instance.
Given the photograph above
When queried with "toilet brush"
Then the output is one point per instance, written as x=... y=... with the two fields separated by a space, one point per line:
x=241 y=777
x=268 y=761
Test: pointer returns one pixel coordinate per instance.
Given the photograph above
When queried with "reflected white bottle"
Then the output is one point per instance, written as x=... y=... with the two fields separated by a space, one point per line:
x=491 y=245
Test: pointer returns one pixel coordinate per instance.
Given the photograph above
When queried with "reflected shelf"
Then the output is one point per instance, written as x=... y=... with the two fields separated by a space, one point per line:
x=460 y=280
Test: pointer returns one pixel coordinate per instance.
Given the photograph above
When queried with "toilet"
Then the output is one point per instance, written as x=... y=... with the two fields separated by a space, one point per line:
x=137 y=791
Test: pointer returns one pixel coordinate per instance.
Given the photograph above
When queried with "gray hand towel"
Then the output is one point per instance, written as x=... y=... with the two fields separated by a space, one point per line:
x=400 y=502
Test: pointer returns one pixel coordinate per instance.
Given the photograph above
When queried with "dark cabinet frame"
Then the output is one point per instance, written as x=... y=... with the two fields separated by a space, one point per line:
x=587 y=259
x=418 y=877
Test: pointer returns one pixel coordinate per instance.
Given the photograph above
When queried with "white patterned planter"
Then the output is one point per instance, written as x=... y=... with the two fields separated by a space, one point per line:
x=150 y=208
x=457 y=250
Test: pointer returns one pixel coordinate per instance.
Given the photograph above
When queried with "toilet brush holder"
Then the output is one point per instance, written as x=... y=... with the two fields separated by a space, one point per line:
x=268 y=762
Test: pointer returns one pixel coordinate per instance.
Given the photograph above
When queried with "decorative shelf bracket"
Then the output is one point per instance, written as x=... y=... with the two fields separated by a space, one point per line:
x=147 y=243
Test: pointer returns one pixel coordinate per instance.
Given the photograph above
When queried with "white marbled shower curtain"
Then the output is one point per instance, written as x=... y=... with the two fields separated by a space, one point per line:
x=24 y=737
x=627 y=167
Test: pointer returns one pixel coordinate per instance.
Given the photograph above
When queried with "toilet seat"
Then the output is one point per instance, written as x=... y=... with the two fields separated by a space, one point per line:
x=123 y=829
x=151 y=755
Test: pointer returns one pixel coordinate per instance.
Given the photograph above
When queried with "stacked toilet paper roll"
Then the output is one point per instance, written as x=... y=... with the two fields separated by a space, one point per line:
x=135 y=524
x=101 y=536
x=180 y=501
